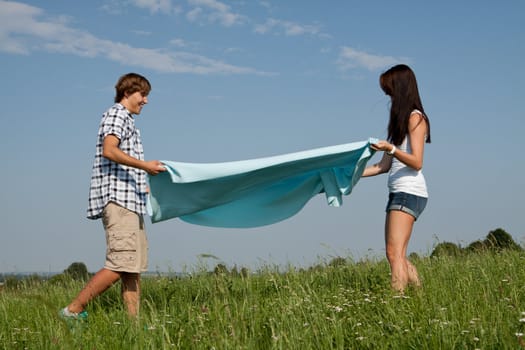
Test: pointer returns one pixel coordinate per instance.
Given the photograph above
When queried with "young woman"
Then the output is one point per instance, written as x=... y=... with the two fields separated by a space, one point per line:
x=408 y=131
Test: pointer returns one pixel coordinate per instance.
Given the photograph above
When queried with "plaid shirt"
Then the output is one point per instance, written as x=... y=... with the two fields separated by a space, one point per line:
x=112 y=181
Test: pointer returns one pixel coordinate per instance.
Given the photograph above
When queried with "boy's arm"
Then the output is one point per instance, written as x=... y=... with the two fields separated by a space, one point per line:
x=111 y=151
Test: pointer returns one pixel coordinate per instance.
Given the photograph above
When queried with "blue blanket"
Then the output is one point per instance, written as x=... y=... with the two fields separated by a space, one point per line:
x=255 y=192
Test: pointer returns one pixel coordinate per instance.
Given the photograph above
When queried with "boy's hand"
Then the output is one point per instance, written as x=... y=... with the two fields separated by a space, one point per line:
x=154 y=167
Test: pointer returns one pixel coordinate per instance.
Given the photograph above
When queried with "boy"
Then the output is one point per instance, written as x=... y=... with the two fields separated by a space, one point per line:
x=118 y=197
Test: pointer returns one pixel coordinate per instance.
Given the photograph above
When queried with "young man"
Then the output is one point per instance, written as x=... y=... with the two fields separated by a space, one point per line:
x=118 y=197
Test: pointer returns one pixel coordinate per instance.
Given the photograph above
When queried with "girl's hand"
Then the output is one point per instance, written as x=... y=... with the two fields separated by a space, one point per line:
x=382 y=145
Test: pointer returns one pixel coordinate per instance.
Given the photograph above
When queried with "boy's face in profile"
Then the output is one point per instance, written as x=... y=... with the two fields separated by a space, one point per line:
x=135 y=101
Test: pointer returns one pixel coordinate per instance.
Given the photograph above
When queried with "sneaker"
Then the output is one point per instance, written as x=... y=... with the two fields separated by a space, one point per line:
x=67 y=315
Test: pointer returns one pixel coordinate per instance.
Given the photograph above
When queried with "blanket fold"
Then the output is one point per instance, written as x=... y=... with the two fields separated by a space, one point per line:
x=256 y=192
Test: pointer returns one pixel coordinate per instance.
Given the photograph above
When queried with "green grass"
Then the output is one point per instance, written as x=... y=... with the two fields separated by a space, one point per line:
x=475 y=301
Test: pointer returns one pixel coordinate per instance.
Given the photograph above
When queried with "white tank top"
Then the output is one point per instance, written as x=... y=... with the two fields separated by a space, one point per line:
x=403 y=178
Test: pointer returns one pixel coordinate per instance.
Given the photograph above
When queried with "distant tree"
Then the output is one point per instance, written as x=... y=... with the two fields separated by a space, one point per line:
x=414 y=256
x=220 y=269
x=499 y=239
x=245 y=272
x=33 y=279
x=234 y=272
x=476 y=247
x=77 y=271
x=337 y=261
x=446 y=249
x=61 y=279
x=11 y=282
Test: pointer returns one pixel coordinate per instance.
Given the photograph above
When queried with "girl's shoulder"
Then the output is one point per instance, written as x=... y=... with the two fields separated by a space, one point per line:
x=416 y=118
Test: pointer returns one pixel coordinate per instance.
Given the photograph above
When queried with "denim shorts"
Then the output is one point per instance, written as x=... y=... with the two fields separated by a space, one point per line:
x=406 y=202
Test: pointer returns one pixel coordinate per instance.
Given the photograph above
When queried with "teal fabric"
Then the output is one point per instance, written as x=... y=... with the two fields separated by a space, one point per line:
x=255 y=192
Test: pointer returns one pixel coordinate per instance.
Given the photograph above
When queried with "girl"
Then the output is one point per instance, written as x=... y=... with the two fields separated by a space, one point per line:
x=408 y=131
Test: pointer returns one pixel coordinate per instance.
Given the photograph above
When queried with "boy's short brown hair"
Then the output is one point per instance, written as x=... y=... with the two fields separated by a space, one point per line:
x=131 y=83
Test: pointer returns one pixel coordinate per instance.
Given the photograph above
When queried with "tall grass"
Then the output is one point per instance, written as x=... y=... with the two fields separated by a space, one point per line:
x=469 y=302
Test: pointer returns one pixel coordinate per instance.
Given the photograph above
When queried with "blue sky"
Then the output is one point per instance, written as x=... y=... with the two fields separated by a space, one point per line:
x=237 y=80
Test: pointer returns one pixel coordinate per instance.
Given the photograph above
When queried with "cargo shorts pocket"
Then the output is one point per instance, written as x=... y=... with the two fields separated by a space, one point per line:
x=122 y=246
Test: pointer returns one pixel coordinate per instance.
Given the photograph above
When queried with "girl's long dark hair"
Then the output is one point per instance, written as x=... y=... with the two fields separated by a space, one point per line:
x=399 y=82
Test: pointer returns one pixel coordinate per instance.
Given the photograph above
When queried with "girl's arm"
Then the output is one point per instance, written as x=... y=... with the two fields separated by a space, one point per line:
x=417 y=133
x=379 y=168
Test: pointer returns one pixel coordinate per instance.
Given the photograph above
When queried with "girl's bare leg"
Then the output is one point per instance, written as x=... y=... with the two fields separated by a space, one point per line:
x=398 y=228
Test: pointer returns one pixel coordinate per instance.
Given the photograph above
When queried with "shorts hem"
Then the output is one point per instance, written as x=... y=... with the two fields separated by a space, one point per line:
x=124 y=269
x=403 y=209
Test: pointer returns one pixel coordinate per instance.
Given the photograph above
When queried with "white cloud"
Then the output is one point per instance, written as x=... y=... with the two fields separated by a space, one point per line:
x=230 y=50
x=154 y=6
x=141 y=32
x=194 y=14
x=213 y=11
x=178 y=42
x=288 y=28
x=118 y=7
x=22 y=32
x=350 y=58
x=265 y=4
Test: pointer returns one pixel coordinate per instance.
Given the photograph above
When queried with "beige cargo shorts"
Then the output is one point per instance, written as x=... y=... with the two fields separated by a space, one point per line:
x=126 y=241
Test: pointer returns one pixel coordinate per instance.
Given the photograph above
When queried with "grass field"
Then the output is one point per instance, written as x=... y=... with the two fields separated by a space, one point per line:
x=476 y=301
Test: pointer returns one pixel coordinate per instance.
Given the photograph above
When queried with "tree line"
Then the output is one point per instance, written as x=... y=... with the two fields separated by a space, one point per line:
x=495 y=241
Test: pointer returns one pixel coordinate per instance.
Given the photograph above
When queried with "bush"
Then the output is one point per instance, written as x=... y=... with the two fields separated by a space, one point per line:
x=499 y=239
x=77 y=271
x=446 y=249
x=477 y=247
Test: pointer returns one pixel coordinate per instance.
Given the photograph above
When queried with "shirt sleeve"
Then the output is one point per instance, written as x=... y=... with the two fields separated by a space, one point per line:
x=114 y=124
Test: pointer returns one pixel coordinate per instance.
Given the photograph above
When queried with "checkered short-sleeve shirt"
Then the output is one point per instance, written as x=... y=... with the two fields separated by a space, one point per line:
x=112 y=181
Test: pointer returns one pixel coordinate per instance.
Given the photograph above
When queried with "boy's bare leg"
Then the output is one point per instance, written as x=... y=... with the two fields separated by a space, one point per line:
x=102 y=280
x=131 y=292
